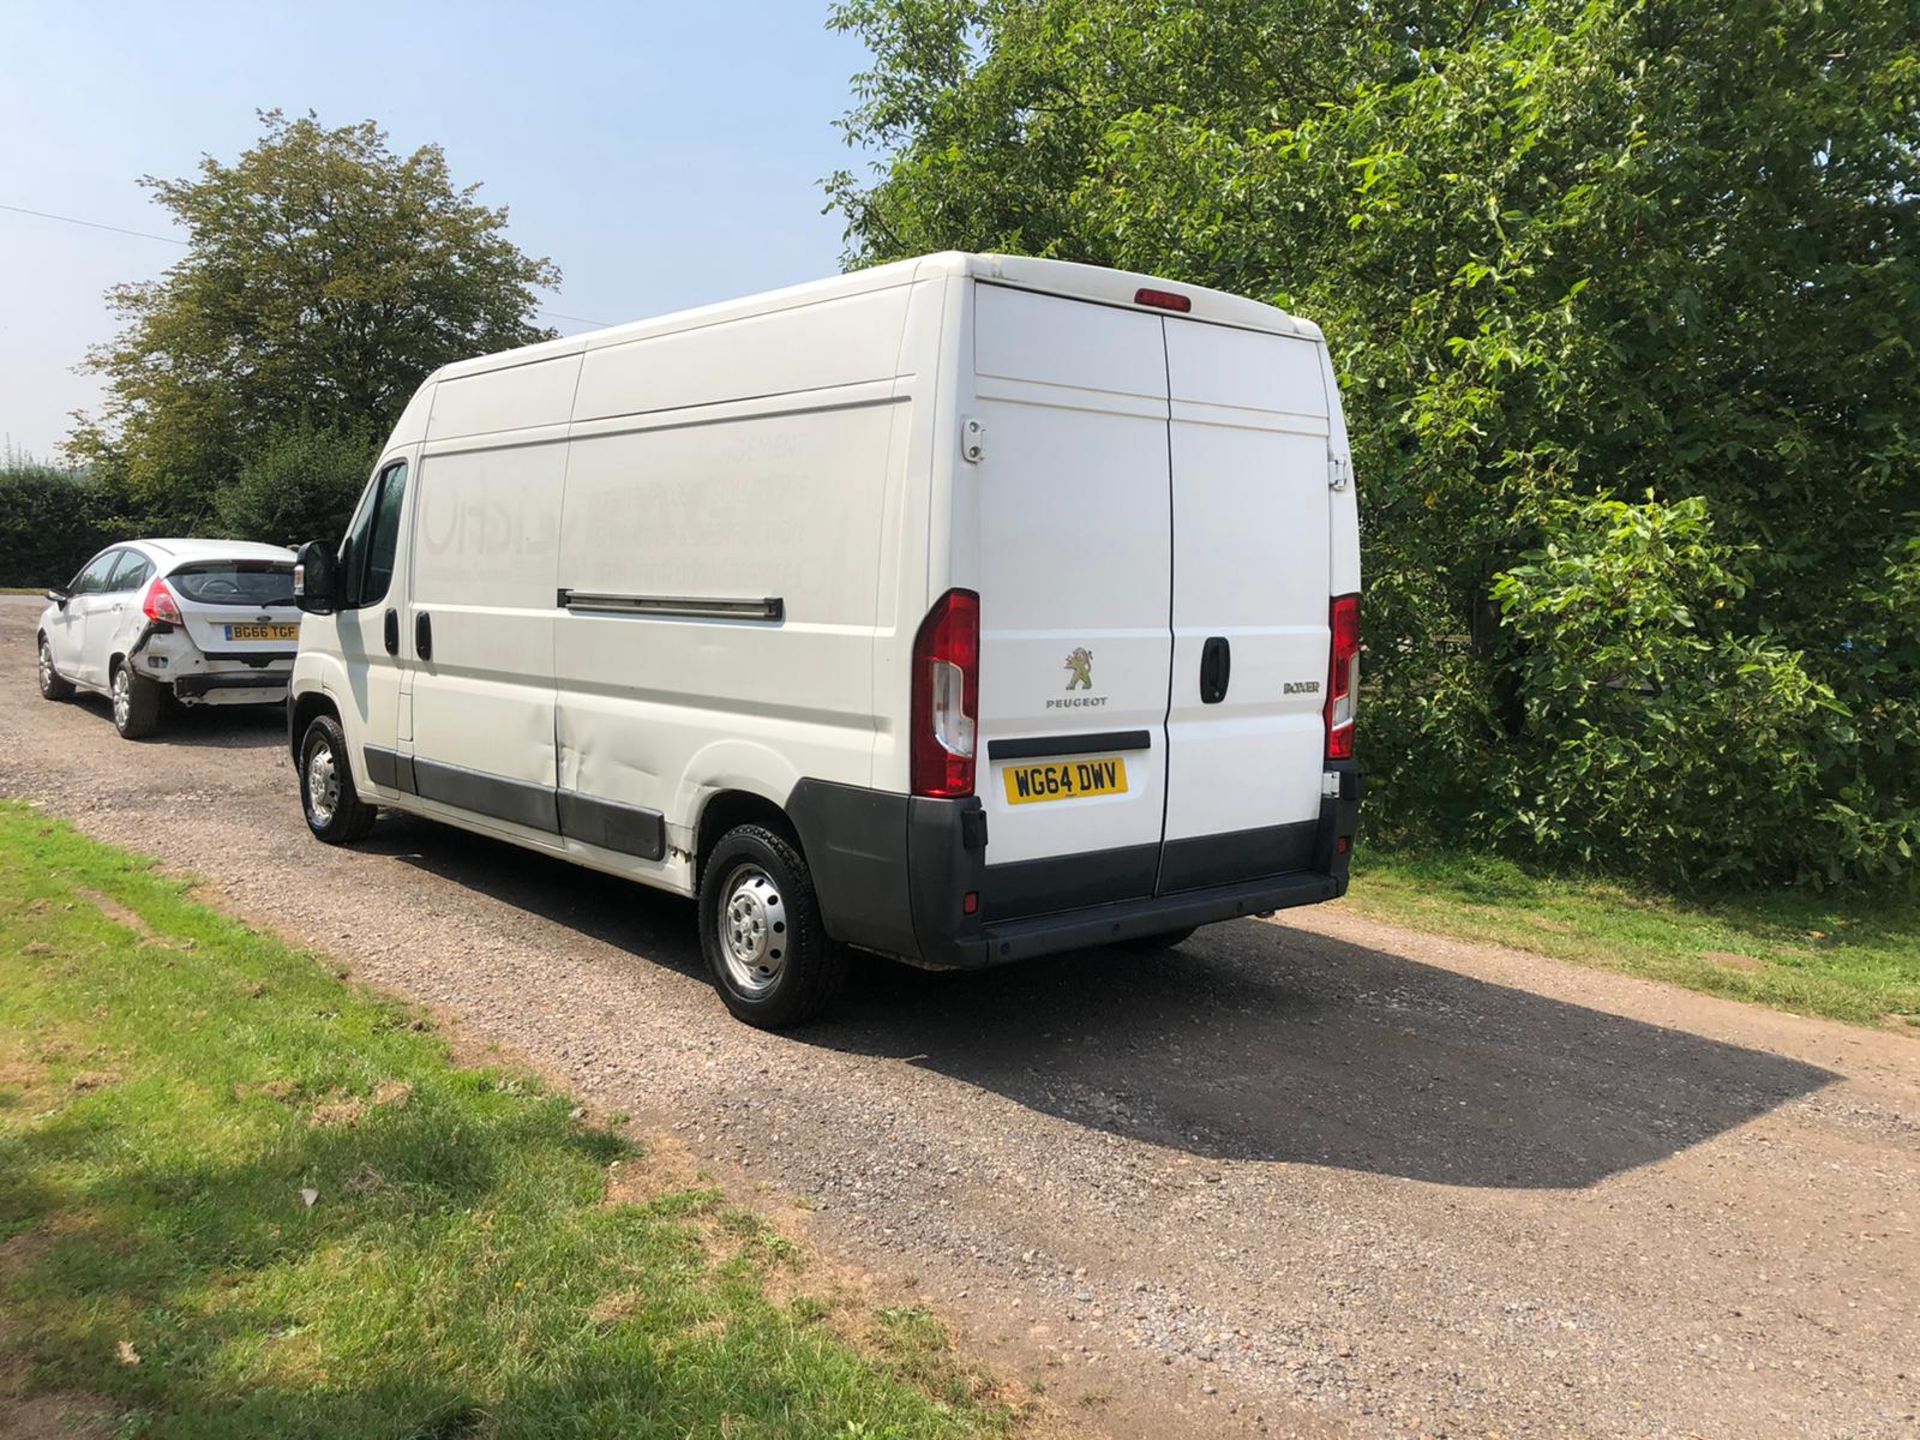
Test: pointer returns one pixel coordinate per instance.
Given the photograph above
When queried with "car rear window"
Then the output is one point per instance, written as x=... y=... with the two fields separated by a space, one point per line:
x=235 y=582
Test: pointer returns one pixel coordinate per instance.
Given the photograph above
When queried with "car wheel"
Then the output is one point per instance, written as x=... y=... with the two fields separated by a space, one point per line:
x=1152 y=944
x=335 y=813
x=136 y=703
x=52 y=687
x=760 y=927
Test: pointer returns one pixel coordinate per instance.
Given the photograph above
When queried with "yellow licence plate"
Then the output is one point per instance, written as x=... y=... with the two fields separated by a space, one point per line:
x=263 y=632
x=1066 y=780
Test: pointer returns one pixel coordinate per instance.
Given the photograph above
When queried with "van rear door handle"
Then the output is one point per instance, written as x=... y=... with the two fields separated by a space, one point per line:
x=423 y=635
x=1216 y=669
x=392 y=632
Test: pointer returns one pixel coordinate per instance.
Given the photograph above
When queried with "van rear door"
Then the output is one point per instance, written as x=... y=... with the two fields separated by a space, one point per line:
x=1074 y=547
x=1245 y=733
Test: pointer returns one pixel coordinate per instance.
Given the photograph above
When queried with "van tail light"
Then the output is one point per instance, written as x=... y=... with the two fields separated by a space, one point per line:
x=1343 y=675
x=160 y=606
x=946 y=696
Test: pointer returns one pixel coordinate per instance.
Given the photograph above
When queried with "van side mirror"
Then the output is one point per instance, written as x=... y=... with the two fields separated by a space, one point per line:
x=315 y=578
x=58 y=597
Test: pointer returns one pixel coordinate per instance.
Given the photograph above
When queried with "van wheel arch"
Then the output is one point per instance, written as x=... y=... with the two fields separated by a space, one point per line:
x=306 y=709
x=726 y=809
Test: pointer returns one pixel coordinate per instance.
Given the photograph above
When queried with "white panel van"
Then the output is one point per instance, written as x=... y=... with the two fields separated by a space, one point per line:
x=965 y=609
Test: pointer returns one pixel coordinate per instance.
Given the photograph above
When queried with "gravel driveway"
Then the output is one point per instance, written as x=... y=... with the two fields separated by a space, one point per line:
x=1310 y=1177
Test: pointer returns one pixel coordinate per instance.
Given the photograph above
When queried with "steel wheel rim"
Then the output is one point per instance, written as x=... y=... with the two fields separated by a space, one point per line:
x=753 y=930
x=323 y=786
x=122 y=697
x=46 y=667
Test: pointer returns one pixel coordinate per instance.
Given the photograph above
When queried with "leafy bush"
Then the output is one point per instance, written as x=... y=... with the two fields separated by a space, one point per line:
x=1652 y=735
x=50 y=522
x=301 y=485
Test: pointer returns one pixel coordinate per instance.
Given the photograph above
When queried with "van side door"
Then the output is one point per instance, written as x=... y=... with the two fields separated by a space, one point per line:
x=366 y=622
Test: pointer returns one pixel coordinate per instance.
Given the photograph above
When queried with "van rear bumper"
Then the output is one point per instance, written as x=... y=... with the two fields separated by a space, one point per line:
x=1134 y=919
x=894 y=874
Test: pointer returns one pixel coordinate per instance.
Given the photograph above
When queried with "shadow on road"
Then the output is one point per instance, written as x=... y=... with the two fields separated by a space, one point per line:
x=1252 y=1041
x=214 y=727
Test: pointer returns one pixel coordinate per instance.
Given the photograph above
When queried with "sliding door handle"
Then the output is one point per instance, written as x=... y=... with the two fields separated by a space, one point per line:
x=423 y=635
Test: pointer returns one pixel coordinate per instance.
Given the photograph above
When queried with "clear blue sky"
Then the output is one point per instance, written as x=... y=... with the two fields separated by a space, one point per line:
x=663 y=155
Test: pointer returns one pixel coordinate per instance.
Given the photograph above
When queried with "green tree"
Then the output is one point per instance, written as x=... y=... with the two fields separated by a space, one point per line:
x=326 y=276
x=299 y=484
x=1563 y=251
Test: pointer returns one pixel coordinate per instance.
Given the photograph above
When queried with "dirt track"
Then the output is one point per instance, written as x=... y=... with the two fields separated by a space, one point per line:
x=1317 y=1176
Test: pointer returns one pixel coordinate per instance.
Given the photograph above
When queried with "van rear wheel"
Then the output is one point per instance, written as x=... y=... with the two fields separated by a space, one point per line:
x=760 y=928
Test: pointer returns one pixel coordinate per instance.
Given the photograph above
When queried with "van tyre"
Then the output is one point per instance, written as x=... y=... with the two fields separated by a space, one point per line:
x=52 y=687
x=1153 y=944
x=335 y=813
x=760 y=927
x=136 y=703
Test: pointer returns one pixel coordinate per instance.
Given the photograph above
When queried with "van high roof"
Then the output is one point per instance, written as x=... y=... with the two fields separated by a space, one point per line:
x=1053 y=277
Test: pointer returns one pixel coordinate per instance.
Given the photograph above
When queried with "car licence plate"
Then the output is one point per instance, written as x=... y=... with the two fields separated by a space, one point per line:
x=1066 y=780
x=263 y=632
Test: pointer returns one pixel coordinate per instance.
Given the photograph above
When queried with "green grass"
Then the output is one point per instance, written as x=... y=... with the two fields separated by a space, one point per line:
x=1836 y=954
x=170 y=1083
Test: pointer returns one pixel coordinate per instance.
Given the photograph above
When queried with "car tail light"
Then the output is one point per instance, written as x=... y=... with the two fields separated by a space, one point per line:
x=160 y=606
x=1343 y=675
x=946 y=696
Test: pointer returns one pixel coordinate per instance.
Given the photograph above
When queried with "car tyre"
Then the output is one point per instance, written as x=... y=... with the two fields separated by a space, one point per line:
x=333 y=807
x=52 y=686
x=136 y=703
x=766 y=945
x=1154 y=944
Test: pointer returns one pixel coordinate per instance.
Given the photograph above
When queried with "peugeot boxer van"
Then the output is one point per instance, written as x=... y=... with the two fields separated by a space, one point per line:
x=965 y=610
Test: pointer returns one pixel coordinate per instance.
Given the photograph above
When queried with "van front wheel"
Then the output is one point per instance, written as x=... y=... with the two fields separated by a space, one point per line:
x=760 y=927
x=335 y=813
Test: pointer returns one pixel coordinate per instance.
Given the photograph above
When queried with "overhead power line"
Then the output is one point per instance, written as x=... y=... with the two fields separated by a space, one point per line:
x=577 y=319
x=95 y=225
x=176 y=240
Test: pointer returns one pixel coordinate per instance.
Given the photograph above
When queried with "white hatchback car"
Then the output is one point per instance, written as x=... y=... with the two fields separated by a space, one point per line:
x=209 y=622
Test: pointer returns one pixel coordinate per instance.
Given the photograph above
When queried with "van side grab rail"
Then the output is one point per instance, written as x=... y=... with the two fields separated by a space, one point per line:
x=769 y=608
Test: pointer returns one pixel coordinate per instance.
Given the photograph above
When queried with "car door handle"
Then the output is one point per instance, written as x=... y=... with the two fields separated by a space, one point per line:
x=423 y=635
x=392 y=632
x=1216 y=669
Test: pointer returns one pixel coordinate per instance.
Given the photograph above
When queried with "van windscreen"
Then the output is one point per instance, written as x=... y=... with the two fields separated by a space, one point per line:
x=235 y=582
